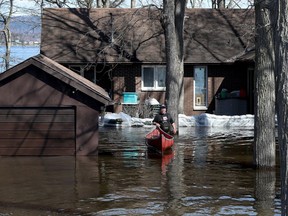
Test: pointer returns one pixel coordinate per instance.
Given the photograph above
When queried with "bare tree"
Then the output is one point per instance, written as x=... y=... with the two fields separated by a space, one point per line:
x=5 y=16
x=195 y=3
x=264 y=126
x=85 y=3
x=173 y=24
x=58 y=3
x=218 y=3
x=133 y=3
x=81 y=3
x=222 y=3
x=281 y=51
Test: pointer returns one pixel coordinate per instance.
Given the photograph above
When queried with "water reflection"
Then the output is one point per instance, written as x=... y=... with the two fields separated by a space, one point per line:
x=207 y=173
x=265 y=191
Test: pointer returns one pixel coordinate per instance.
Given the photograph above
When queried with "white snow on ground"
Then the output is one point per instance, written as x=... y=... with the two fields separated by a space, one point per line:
x=209 y=120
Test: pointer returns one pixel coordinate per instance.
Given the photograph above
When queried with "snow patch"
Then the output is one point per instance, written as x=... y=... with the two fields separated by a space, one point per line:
x=208 y=120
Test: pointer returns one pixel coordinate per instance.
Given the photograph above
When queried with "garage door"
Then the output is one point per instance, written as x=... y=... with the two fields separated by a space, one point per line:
x=37 y=131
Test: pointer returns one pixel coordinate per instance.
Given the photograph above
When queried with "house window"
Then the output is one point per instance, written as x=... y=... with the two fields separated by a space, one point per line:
x=87 y=72
x=200 y=88
x=154 y=78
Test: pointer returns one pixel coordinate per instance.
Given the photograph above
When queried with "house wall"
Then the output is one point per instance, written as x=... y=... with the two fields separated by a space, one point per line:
x=34 y=88
x=127 y=78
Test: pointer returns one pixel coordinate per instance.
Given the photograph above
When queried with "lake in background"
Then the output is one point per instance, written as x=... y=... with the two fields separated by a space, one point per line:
x=18 y=54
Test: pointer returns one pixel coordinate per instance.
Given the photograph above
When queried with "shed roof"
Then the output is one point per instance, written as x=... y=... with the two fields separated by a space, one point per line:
x=62 y=73
x=117 y=35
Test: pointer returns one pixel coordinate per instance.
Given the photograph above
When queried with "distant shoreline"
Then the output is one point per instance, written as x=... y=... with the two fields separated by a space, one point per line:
x=19 y=53
x=26 y=45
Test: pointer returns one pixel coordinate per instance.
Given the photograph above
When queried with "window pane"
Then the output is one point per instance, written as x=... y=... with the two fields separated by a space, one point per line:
x=200 y=80
x=161 y=76
x=148 y=77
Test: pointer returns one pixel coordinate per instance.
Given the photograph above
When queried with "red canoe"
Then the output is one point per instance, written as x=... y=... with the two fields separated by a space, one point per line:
x=159 y=140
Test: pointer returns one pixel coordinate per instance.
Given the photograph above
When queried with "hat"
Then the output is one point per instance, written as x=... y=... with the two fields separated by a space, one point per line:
x=162 y=106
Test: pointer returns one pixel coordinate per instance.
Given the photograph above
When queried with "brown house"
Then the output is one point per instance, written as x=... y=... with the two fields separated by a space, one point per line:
x=123 y=51
x=47 y=109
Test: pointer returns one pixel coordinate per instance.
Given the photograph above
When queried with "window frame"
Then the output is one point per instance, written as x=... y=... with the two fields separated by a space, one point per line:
x=195 y=106
x=155 y=80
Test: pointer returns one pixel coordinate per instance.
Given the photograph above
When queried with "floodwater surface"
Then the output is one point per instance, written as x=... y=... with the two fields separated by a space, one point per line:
x=208 y=172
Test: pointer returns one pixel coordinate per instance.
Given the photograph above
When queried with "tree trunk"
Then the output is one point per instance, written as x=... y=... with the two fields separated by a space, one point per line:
x=264 y=125
x=8 y=43
x=106 y=3
x=6 y=19
x=221 y=4
x=179 y=22
x=99 y=4
x=174 y=11
x=265 y=181
x=282 y=98
x=133 y=3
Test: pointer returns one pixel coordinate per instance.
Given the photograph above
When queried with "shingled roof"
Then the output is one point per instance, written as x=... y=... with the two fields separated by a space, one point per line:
x=62 y=73
x=117 y=35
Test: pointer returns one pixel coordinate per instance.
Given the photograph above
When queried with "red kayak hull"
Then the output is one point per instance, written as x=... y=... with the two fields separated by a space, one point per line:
x=159 y=140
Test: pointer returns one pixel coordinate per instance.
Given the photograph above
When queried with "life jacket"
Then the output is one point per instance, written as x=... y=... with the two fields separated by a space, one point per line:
x=165 y=124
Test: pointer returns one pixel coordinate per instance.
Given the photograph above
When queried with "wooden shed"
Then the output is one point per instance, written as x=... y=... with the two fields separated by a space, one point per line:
x=47 y=109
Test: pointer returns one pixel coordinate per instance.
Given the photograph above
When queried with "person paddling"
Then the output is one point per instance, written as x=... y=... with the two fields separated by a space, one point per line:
x=165 y=121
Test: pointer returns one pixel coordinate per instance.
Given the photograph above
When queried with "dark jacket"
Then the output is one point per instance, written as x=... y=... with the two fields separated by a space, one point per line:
x=165 y=121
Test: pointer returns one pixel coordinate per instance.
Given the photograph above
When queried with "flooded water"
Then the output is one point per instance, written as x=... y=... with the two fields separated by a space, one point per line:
x=209 y=172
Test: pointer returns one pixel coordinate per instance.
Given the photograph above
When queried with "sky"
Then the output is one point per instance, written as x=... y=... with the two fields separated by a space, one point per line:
x=23 y=6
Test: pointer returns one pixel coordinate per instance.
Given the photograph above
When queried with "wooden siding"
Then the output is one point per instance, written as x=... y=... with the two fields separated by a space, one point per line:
x=37 y=131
